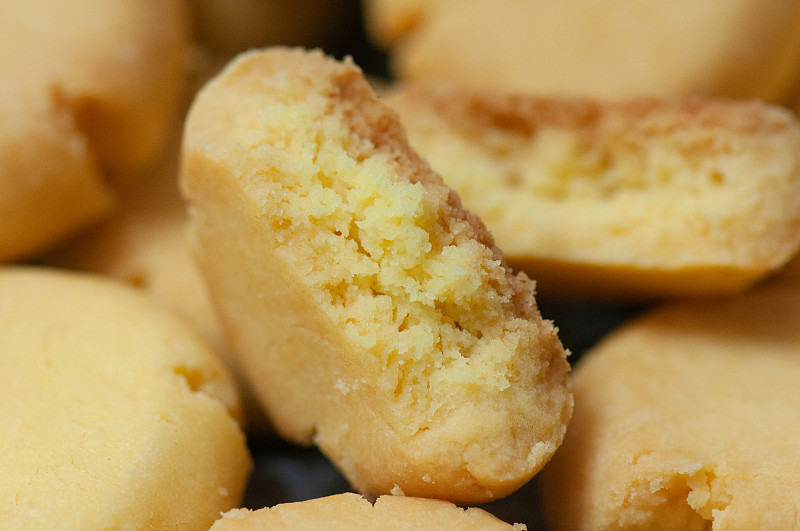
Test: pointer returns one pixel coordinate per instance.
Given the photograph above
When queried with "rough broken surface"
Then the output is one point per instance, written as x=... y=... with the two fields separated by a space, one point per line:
x=688 y=418
x=374 y=314
x=644 y=198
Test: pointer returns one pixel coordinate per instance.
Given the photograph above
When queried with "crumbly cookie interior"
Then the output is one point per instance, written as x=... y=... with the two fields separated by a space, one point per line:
x=411 y=287
x=677 y=178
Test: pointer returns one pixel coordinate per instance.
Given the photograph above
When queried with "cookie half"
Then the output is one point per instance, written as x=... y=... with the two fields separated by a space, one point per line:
x=634 y=199
x=374 y=314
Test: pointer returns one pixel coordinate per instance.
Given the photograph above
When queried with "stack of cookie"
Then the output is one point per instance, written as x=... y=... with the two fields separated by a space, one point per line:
x=211 y=255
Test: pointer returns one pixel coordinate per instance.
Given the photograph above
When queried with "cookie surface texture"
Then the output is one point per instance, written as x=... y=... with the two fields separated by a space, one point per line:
x=374 y=314
x=352 y=512
x=115 y=415
x=688 y=418
x=636 y=199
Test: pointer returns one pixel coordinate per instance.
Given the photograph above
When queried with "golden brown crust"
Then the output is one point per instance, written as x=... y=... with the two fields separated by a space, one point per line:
x=371 y=119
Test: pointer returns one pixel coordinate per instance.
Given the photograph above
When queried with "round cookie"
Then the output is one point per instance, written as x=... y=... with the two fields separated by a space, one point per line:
x=115 y=414
x=144 y=243
x=615 y=50
x=686 y=418
x=351 y=512
x=373 y=314
x=86 y=102
x=636 y=199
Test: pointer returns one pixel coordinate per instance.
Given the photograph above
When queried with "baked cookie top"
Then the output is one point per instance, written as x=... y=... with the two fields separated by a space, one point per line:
x=116 y=415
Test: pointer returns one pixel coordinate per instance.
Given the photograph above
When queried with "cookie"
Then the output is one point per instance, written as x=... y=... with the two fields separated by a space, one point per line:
x=50 y=185
x=373 y=314
x=686 y=418
x=637 y=199
x=115 y=414
x=85 y=102
x=350 y=511
x=736 y=49
x=143 y=243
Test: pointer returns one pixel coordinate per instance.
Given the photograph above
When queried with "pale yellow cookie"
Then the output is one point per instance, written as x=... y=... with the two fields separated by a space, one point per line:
x=115 y=414
x=636 y=199
x=89 y=89
x=373 y=314
x=687 y=418
x=610 y=49
x=351 y=512
x=144 y=243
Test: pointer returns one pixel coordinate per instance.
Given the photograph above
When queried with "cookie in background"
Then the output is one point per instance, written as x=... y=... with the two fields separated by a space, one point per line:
x=86 y=102
x=351 y=512
x=116 y=414
x=631 y=200
x=144 y=244
x=687 y=417
x=612 y=49
x=227 y=27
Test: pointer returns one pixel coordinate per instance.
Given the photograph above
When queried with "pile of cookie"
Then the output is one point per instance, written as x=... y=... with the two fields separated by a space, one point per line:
x=214 y=244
